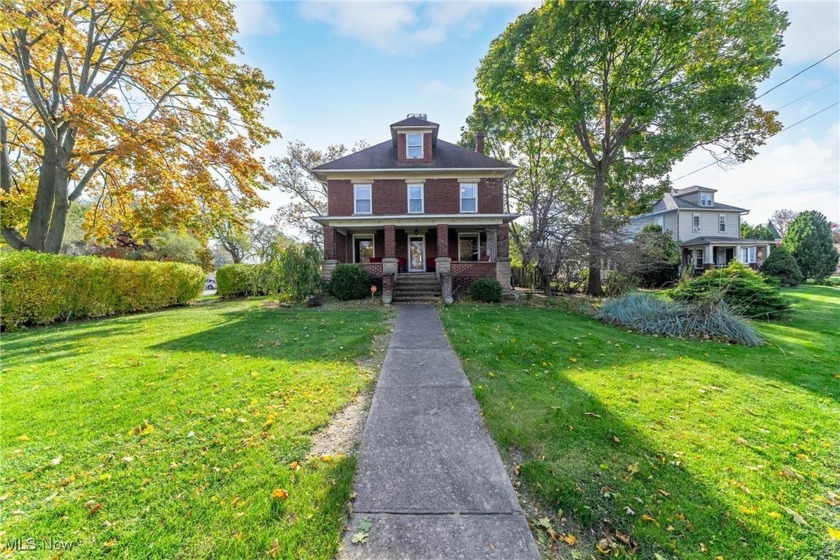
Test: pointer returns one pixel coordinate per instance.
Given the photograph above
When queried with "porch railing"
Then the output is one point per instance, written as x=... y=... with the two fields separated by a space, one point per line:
x=484 y=269
x=374 y=269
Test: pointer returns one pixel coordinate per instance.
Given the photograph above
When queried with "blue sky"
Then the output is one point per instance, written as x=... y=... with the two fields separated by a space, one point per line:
x=343 y=71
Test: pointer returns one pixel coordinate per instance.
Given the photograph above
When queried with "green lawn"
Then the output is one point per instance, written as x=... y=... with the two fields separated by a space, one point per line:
x=692 y=449
x=164 y=435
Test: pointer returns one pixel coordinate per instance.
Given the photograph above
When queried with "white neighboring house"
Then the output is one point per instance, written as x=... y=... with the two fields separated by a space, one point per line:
x=708 y=232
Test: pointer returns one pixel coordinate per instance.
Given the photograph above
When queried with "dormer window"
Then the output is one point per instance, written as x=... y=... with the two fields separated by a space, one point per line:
x=414 y=146
x=706 y=199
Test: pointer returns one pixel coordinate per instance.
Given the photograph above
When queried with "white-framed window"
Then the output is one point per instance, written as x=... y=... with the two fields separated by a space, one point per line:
x=415 y=199
x=747 y=255
x=698 y=258
x=469 y=197
x=469 y=246
x=706 y=199
x=362 y=199
x=414 y=146
x=695 y=222
x=363 y=248
x=721 y=223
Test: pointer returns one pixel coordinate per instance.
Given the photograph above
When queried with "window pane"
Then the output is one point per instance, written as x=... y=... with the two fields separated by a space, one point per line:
x=415 y=191
x=363 y=206
x=414 y=143
x=468 y=248
x=415 y=205
x=468 y=199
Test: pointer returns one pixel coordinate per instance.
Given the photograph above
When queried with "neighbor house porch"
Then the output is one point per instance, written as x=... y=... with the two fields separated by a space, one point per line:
x=457 y=252
x=704 y=253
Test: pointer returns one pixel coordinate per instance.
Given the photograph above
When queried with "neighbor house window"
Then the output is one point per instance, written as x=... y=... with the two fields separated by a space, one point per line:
x=362 y=199
x=695 y=222
x=469 y=247
x=748 y=255
x=415 y=199
x=706 y=199
x=721 y=223
x=698 y=258
x=414 y=146
x=469 y=197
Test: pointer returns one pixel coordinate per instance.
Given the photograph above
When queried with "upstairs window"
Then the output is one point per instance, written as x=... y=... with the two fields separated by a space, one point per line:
x=706 y=199
x=469 y=197
x=362 y=199
x=721 y=223
x=415 y=199
x=414 y=146
x=695 y=222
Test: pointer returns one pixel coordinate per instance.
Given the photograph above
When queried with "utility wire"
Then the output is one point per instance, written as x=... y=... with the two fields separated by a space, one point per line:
x=812 y=115
x=797 y=74
x=806 y=95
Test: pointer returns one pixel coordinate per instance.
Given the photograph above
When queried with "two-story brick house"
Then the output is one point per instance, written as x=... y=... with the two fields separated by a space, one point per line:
x=417 y=205
x=708 y=232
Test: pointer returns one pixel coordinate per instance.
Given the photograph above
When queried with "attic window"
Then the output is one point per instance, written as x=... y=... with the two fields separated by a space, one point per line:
x=414 y=146
x=706 y=199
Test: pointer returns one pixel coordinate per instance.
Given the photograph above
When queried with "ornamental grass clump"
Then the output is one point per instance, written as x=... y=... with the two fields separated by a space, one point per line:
x=708 y=318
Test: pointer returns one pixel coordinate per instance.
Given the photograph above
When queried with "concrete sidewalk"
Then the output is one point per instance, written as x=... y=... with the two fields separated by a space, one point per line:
x=430 y=479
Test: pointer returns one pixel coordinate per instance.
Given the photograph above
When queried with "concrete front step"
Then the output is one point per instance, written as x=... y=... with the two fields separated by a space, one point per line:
x=417 y=299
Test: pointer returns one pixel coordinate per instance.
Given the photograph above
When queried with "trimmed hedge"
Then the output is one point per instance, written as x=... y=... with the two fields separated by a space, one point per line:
x=350 y=281
x=40 y=288
x=245 y=280
x=487 y=290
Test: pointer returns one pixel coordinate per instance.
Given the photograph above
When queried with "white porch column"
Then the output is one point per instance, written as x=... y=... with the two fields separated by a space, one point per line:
x=708 y=257
x=492 y=243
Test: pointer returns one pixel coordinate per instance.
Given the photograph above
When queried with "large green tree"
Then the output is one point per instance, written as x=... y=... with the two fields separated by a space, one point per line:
x=811 y=243
x=633 y=87
x=139 y=105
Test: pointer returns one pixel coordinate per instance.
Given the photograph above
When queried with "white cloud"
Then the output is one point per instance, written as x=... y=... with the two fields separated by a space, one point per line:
x=255 y=18
x=398 y=27
x=814 y=30
x=801 y=175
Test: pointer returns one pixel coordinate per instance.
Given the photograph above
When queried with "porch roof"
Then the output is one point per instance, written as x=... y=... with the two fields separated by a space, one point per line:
x=408 y=220
x=718 y=240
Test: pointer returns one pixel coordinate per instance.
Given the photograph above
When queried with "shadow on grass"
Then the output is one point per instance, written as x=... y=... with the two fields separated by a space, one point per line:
x=287 y=334
x=580 y=455
x=585 y=460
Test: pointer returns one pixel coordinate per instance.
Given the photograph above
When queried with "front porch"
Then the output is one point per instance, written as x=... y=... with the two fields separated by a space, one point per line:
x=708 y=253
x=457 y=254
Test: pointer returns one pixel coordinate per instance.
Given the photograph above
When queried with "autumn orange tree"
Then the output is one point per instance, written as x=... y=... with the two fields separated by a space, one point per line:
x=137 y=106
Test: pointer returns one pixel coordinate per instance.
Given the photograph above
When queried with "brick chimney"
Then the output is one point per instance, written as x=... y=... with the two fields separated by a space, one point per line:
x=479 y=142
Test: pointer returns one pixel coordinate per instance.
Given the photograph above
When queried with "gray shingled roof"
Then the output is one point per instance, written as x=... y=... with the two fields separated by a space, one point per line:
x=671 y=202
x=414 y=121
x=725 y=241
x=384 y=156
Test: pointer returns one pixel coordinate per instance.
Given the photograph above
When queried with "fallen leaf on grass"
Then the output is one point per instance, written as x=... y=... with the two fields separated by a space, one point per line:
x=569 y=539
x=650 y=518
x=834 y=533
x=279 y=494
x=275 y=548
x=796 y=517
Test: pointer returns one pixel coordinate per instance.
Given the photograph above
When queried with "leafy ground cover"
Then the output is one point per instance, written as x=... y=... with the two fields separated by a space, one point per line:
x=683 y=449
x=181 y=434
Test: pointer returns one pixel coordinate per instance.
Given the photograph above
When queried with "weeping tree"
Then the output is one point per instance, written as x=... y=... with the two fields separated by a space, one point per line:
x=633 y=87
x=139 y=106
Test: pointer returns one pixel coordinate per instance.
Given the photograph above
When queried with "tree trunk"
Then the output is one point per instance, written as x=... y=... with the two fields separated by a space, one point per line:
x=594 y=287
x=12 y=236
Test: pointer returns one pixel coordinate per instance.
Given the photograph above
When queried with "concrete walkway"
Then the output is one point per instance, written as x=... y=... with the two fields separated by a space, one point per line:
x=430 y=479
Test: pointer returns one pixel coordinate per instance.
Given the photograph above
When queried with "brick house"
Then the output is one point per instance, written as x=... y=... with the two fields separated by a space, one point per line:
x=417 y=211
